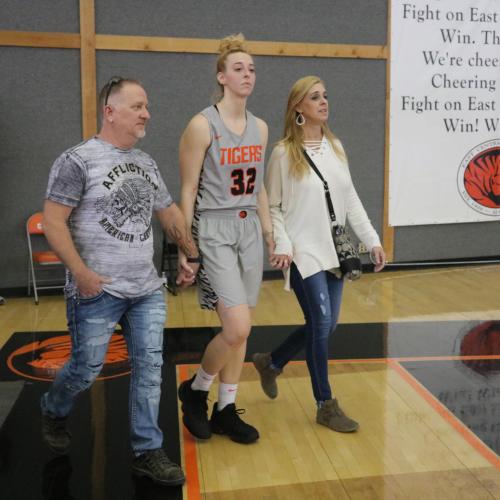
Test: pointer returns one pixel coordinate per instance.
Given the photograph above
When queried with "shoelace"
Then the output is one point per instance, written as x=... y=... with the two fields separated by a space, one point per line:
x=156 y=460
x=236 y=415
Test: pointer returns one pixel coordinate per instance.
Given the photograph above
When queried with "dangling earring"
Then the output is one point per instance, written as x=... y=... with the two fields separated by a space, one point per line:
x=299 y=119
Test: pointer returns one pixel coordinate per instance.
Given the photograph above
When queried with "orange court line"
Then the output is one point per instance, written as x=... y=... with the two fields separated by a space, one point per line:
x=410 y=358
x=446 y=358
x=447 y=415
x=190 y=457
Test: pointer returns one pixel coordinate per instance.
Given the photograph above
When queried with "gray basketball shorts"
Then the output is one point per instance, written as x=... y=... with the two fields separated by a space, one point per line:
x=230 y=242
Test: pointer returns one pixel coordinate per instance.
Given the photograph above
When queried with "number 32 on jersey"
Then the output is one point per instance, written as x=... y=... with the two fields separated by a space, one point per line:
x=243 y=181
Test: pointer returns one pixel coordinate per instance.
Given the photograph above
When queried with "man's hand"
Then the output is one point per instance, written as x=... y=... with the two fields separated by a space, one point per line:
x=186 y=272
x=89 y=283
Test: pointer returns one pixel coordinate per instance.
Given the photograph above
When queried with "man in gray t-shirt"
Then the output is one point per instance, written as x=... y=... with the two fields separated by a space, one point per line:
x=98 y=212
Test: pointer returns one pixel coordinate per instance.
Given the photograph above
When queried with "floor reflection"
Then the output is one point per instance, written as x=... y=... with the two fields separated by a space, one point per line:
x=145 y=489
x=457 y=361
x=474 y=398
x=55 y=479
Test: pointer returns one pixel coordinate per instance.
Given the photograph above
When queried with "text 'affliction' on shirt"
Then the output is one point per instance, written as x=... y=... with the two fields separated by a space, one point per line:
x=241 y=154
x=127 y=168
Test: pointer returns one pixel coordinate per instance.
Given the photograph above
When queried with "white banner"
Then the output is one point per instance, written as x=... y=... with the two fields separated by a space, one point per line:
x=445 y=108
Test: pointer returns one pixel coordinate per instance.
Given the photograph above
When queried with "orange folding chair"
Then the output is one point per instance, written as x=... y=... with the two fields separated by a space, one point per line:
x=41 y=261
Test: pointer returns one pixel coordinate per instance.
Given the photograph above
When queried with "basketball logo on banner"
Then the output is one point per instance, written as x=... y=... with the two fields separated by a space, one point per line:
x=479 y=178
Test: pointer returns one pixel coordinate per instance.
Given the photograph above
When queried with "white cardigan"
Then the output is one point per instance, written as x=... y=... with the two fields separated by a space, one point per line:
x=301 y=221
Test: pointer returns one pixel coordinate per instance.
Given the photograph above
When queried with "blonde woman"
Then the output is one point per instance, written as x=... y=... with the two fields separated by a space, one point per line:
x=225 y=202
x=303 y=235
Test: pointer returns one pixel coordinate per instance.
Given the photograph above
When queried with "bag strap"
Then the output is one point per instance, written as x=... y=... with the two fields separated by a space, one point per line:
x=325 y=186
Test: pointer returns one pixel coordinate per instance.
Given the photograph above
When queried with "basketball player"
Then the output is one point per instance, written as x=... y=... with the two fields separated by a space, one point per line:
x=223 y=198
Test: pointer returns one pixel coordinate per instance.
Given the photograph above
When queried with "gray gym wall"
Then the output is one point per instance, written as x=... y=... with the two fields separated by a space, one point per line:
x=40 y=100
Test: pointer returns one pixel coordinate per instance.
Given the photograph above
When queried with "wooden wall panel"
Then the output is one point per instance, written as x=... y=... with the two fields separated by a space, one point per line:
x=89 y=42
x=88 y=68
x=388 y=231
x=39 y=39
x=208 y=46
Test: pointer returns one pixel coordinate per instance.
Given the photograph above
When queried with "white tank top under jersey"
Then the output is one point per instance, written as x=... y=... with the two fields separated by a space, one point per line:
x=233 y=168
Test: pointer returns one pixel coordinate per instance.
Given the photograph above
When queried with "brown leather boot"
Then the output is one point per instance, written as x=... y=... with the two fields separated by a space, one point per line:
x=262 y=363
x=331 y=415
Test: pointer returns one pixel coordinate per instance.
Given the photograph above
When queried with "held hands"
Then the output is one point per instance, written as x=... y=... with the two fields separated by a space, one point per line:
x=89 y=283
x=186 y=272
x=377 y=256
x=280 y=261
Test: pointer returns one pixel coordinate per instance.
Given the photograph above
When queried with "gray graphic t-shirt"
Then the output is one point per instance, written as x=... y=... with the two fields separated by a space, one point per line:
x=113 y=193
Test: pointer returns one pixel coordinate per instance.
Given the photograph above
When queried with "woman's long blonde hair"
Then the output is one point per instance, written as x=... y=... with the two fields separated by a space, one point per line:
x=293 y=136
x=228 y=45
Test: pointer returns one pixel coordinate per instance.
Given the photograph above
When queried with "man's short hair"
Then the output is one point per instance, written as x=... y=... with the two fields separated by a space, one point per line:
x=112 y=87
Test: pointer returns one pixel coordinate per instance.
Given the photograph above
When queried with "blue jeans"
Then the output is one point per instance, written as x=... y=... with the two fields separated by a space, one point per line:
x=91 y=323
x=319 y=296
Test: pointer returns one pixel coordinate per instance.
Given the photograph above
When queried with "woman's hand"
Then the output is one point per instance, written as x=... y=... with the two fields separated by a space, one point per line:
x=280 y=261
x=377 y=256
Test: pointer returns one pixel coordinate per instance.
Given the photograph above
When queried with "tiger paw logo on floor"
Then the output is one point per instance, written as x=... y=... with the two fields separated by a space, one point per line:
x=479 y=178
x=479 y=342
x=42 y=359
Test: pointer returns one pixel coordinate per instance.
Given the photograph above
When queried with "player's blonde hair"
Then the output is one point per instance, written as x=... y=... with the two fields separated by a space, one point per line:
x=229 y=45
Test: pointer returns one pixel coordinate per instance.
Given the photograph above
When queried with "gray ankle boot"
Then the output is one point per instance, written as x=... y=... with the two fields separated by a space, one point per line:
x=262 y=363
x=331 y=415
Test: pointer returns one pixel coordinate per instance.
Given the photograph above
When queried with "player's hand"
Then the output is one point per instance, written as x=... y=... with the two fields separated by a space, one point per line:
x=280 y=261
x=186 y=271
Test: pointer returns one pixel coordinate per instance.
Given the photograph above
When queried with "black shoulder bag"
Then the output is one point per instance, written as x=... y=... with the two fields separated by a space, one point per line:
x=350 y=264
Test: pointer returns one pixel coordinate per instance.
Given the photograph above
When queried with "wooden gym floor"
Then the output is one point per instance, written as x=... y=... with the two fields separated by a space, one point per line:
x=415 y=359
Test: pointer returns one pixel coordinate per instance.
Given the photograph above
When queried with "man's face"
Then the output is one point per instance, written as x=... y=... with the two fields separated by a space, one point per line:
x=130 y=111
